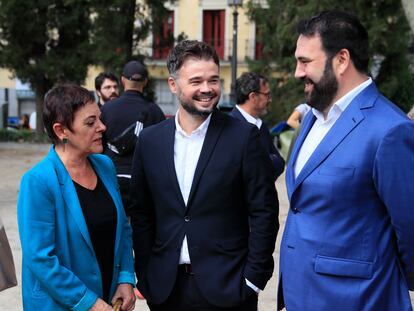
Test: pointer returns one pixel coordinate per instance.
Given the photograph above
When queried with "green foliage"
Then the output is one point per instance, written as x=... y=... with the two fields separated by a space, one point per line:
x=22 y=136
x=45 y=42
x=389 y=39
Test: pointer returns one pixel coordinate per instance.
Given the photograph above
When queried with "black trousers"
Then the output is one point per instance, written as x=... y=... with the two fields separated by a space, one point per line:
x=186 y=296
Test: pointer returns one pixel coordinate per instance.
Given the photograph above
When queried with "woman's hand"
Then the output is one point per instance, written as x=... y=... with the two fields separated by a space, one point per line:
x=125 y=292
x=101 y=305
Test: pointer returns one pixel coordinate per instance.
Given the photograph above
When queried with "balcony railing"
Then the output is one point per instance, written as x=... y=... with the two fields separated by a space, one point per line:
x=25 y=94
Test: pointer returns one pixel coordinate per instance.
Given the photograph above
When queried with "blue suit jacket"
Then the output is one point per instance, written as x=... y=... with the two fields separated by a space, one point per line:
x=267 y=142
x=230 y=219
x=349 y=237
x=60 y=270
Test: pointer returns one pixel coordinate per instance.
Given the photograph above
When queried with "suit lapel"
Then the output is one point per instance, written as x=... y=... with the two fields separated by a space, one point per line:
x=290 y=171
x=348 y=120
x=168 y=151
x=212 y=135
x=70 y=197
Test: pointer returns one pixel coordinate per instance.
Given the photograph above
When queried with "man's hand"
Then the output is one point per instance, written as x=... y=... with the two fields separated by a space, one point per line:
x=125 y=292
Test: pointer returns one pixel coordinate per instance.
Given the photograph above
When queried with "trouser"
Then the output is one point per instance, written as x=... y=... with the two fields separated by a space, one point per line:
x=186 y=296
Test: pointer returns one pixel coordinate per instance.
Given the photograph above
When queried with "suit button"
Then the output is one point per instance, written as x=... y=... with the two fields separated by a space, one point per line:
x=187 y=218
x=295 y=210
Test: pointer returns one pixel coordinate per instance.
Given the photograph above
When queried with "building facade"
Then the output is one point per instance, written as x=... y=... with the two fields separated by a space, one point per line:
x=205 y=20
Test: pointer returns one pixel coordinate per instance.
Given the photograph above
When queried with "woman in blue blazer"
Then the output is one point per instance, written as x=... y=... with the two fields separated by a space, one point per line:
x=75 y=237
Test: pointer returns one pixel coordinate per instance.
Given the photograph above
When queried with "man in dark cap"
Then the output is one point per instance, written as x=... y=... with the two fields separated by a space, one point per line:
x=124 y=118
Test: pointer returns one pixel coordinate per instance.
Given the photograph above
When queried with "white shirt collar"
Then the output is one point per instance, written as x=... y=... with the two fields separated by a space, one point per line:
x=341 y=104
x=249 y=118
x=201 y=130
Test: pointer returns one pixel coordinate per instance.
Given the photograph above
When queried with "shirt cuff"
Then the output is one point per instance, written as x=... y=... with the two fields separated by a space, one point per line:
x=252 y=286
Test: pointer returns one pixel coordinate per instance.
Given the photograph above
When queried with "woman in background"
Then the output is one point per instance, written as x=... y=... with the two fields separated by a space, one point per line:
x=75 y=237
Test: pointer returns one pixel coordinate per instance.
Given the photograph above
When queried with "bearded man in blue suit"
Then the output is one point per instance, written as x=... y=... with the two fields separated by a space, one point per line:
x=349 y=237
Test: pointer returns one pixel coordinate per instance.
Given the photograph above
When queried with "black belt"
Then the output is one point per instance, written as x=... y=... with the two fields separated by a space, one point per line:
x=186 y=268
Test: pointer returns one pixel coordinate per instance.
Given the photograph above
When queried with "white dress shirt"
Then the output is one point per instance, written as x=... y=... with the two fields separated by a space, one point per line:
x=322 y=126
x=249 y=118
x=187 y=149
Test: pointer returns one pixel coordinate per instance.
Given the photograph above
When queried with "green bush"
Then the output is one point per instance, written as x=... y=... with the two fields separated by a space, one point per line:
x=22 y=136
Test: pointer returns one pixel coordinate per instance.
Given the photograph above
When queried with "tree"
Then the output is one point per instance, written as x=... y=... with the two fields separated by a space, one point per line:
x=42 y=43
x=389 y=39
x=120 y=26
x=45 y=42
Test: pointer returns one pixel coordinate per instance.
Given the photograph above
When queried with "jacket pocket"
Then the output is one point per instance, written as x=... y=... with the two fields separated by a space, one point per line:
x=233 y=244
x=343 y=267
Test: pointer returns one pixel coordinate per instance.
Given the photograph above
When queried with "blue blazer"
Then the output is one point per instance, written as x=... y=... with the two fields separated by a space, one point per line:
x=348 y=243
x=60 y=270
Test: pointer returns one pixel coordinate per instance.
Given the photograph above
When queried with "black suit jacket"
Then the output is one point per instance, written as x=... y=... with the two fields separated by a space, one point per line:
x=230 y=220
x=267 y=142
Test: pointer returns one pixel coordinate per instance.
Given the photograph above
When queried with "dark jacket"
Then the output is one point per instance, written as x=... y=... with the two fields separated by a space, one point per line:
x=230 y=220
x=267 y=142
x=120 y=113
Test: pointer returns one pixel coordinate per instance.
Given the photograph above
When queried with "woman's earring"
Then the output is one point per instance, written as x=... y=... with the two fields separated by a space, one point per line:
x=64 y=141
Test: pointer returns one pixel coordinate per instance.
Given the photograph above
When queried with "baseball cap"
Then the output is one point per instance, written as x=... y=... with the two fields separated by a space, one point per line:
x=135 y=71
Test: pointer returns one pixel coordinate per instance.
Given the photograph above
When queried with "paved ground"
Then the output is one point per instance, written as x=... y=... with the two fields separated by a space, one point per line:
x=15 y=159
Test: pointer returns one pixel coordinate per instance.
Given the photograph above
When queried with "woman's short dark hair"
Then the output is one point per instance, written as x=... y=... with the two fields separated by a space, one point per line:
x=339 y=30
x=190 y=49
x=60 y=105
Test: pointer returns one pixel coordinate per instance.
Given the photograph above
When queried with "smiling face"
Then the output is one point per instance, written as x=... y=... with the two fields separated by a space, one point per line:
x=314 y=68
x=197 y=86
x=87 y=129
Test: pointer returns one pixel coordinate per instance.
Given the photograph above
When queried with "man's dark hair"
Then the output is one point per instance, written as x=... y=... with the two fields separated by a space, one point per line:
x=339 y=30
x=60 y=105
x=100 y=78
x=190 y=49
x=248 y=82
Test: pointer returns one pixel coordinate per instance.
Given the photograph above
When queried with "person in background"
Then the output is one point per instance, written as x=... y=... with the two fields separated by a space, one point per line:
x=298 y=114
x=106 y=87
x=24 y=122
x=410 y=113
x=75 y=236
x=204 y=207
x=348 y=239
x=124 y=118
x=253 y=100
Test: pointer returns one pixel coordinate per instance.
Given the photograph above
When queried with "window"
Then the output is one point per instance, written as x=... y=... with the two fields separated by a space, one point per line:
x=163 y=36
x=258 y=47
x=213 y=30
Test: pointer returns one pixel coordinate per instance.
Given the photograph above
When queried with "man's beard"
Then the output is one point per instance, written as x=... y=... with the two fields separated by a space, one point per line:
x=110 y=97
x=189 y=106
x=323 y=92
